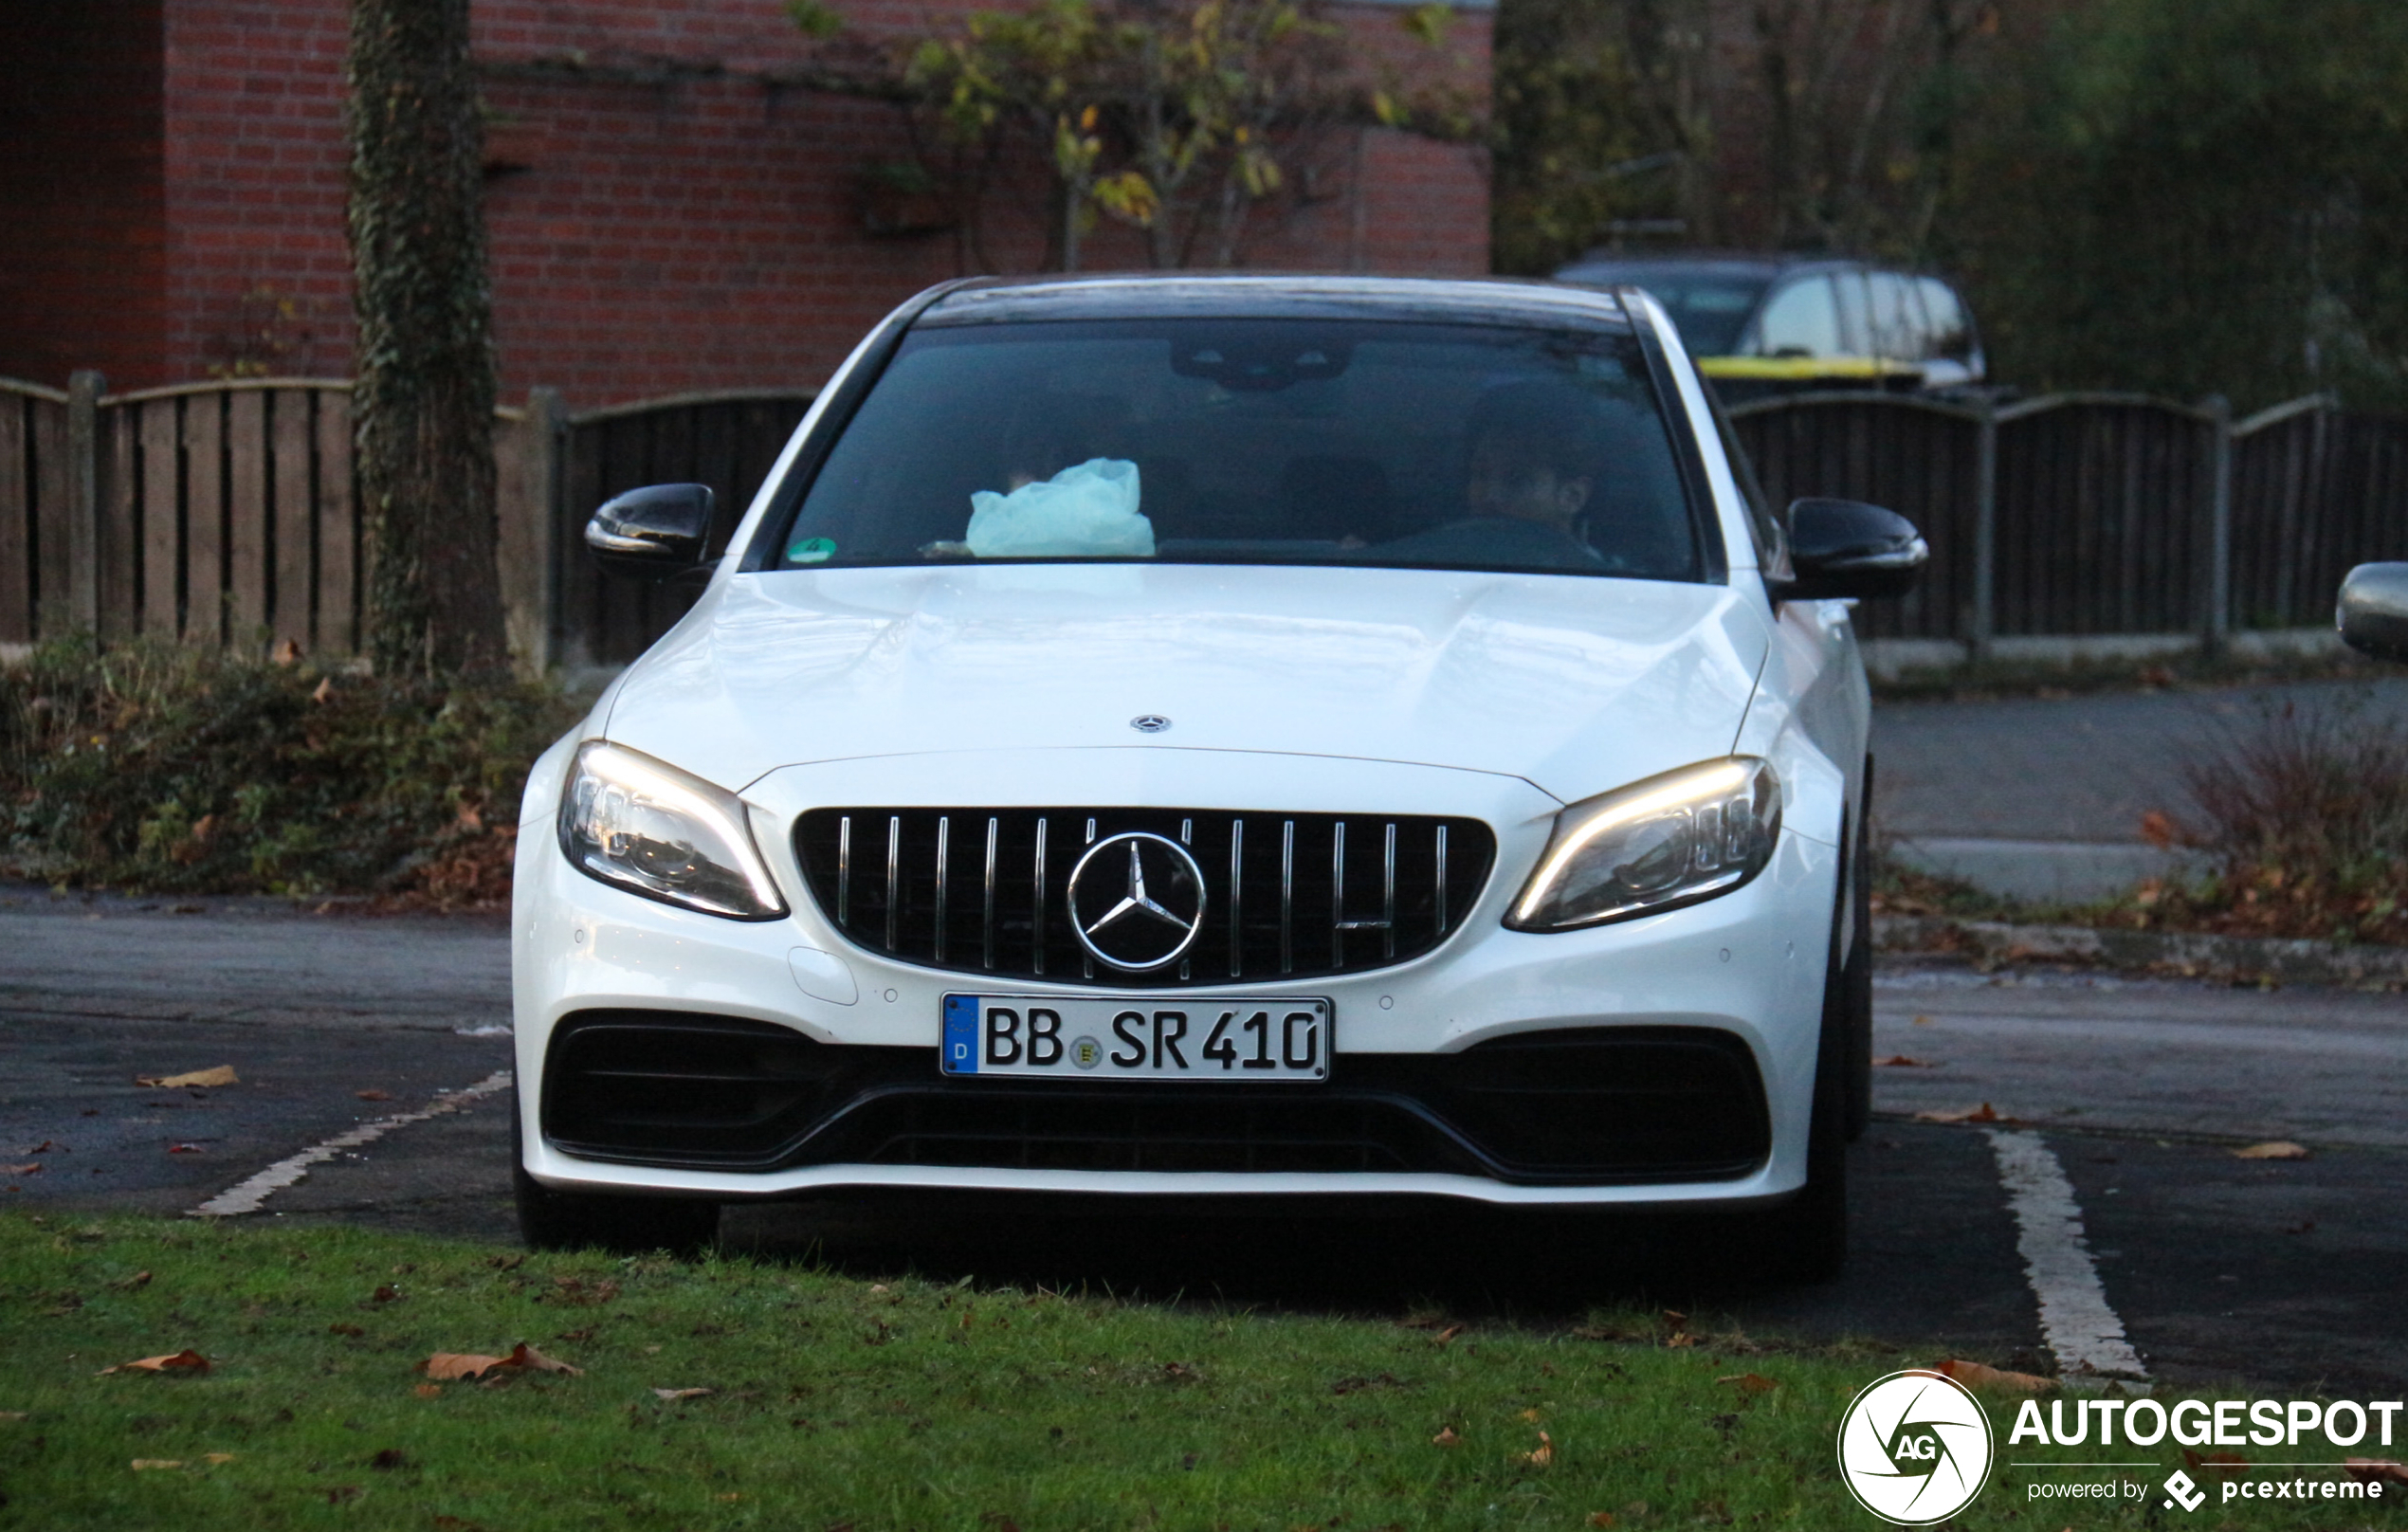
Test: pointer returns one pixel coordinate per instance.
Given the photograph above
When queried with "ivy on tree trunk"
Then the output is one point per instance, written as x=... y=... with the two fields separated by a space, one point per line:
x=423 y=409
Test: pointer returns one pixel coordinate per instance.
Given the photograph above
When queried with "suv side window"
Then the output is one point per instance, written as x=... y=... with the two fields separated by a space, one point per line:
x=1856 y=329
x=1897 y=332
x=1801 y=321
x=1951 y=336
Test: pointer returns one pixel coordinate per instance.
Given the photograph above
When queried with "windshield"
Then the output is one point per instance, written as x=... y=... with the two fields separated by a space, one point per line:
x=1258 y=441
x=1709 y=308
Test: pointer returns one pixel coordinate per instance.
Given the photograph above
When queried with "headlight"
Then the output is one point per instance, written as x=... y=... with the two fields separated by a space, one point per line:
x=652 y=829
x=1670 y=840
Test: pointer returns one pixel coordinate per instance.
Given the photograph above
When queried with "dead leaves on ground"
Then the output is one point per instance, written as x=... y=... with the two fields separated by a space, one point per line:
x=2374 y=1469
x=448 y=1367
x=2272 y=1149
x=577 y=1293
x=1975 y=1375
x=675 y=1395
x=198 y=1080
x=2218 y=1464
x=1750 y=1384
x=1983 y=1113
x=179 y=1362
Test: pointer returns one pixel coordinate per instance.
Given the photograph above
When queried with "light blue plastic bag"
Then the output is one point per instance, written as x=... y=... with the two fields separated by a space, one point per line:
x=1088 y=511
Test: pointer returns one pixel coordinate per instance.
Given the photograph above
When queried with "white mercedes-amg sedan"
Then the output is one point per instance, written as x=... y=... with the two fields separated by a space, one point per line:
x=1212 y=736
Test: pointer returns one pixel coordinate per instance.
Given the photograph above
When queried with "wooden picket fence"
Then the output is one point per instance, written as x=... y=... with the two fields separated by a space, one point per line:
x=225 y=513
x=2089 y=515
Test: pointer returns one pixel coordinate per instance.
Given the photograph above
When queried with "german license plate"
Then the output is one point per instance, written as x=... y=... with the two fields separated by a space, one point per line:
x=1124 y=1038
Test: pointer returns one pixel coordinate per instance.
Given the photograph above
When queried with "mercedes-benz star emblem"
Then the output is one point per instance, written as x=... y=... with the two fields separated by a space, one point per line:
x=1137 y=900
x=1149 y=723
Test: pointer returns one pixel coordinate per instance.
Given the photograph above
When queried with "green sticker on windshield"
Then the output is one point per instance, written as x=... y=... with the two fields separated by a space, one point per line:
x=811 y=551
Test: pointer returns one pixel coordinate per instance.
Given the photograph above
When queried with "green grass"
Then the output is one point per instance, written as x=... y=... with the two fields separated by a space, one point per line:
x=839 y=1403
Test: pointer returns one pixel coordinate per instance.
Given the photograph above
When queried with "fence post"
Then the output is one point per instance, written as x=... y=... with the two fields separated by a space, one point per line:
x=2216 y=578
x=1979 y=644
x=84 y=388
x=527 y=512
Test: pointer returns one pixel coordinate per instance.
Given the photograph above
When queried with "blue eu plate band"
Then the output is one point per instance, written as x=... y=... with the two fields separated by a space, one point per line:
x=961 y=1035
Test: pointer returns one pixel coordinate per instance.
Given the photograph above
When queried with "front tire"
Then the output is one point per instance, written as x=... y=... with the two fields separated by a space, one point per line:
x=1808 y=1241
x=1857 y=972
x=550 y=1220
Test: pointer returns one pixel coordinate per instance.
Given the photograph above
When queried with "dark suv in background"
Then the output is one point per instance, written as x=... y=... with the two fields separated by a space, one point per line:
x=1767 y=323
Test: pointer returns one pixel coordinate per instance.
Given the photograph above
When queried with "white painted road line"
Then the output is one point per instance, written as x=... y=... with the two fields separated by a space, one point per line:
x=2075 y=1320
x=247 y=1196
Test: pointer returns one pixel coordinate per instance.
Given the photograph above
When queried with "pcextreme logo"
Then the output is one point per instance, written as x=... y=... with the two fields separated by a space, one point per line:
x=1915 y=1448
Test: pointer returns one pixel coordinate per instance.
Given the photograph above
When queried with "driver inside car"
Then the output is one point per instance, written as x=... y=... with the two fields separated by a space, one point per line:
x=1531 y=471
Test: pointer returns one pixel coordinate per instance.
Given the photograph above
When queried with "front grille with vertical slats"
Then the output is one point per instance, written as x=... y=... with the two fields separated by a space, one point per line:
x=1289 y=895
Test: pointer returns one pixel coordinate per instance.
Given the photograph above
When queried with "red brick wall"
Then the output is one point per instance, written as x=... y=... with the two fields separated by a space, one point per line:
x=662 y=216
x=82 y=255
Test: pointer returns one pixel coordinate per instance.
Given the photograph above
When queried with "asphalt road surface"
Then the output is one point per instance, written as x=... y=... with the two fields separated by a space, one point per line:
x=2277 y=1271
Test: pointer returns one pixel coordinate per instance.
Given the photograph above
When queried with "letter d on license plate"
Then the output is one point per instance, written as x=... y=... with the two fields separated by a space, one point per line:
x=1166 y=1037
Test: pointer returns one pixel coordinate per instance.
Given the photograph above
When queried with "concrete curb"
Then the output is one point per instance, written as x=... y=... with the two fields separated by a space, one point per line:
x=2187 y=953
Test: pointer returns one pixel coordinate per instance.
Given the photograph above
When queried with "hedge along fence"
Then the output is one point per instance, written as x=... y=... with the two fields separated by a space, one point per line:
x=226 y=513
x=2100 y=514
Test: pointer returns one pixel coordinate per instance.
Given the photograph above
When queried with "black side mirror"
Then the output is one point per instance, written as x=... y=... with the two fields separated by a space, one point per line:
x=2372 y=614
x=1844 y=548
x=652 y=533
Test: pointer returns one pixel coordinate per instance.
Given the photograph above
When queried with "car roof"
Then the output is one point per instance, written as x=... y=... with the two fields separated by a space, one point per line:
x=1760 y=264
x=1187 y=293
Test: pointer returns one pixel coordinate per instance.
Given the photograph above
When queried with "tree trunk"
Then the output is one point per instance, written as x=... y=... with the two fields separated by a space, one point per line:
x=423 y=409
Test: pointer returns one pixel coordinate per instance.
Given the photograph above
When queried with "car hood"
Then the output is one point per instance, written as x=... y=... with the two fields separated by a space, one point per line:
x=1575 y=684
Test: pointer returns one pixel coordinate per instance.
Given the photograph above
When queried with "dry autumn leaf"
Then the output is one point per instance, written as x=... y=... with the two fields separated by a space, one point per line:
x=448 y=1366
x=203 y=1079
x=427 y=1390
x=30 y=1168
x=1445 y=1437
x=672 y=1395
x=1600 y=1518
x=1750 y=1383
x=1975 y=1374
x=325 y=689
x=179 y=1362
x=1446 y=1335
x=2370 y=1469
x=1983 y=1113
x=285 y=652
x=1541 y=1455
x=1531 y=1415
x=1681 y=1342
x=2223 y=1465
x=2272 y=1149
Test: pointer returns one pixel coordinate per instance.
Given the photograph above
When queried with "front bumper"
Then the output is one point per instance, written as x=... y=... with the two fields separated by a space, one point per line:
x=1696 y=1029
